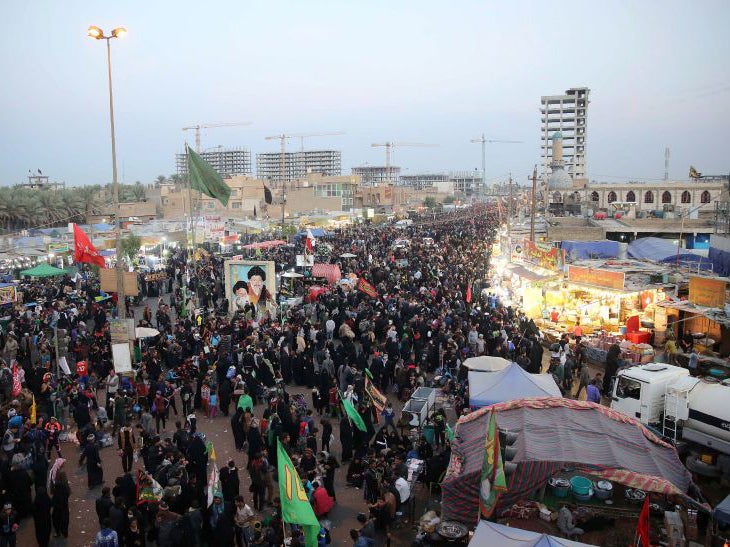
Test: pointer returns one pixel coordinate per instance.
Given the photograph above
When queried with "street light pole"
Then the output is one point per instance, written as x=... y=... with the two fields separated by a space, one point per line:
x=98 y=34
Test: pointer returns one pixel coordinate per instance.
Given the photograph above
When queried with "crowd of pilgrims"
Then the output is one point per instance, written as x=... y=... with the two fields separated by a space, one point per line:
x=432 y=311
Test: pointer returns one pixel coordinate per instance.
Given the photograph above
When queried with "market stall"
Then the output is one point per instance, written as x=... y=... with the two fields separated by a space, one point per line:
x=550 y=436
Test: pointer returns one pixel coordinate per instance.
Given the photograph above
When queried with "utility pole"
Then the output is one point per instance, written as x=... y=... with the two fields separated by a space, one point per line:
x=666 y=163
x=509 y=211
x=533 y=205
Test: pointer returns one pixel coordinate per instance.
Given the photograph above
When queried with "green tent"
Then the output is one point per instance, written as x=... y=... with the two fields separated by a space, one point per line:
x=43 y=270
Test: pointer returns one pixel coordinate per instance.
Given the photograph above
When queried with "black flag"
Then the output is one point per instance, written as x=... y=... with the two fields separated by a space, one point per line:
x=267 y=195
x=254 y=211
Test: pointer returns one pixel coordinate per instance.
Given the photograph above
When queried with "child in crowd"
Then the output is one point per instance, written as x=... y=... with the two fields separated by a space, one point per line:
x=205 y=399
x=213 y=405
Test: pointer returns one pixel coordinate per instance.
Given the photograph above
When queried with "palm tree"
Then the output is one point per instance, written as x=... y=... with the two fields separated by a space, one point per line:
x=176 y=179
x=88 y=200
x=47 y=207
x=161 y=179
x=138 y=192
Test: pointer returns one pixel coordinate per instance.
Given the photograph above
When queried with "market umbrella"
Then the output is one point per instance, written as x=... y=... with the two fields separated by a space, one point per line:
x=43 y=270
x=348 y=255
x=145 y=332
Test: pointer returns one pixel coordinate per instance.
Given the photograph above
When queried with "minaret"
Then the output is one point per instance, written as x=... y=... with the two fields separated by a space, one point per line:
x=559 y=179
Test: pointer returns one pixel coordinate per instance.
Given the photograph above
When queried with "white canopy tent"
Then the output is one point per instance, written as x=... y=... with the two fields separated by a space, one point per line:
x=486 y=363
x=491 y=533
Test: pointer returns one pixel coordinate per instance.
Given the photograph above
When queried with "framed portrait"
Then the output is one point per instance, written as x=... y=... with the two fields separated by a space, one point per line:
x=252 y=283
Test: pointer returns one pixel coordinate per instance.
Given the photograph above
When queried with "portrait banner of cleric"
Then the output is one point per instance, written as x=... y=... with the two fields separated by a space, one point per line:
x=251 y=288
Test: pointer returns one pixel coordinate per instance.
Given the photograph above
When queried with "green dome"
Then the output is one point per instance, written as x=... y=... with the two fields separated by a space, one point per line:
x=557 y=135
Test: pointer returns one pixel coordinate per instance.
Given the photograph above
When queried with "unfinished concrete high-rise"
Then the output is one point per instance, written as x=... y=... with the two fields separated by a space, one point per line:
x=297 y=165
x=567 y=114
x=226 y=162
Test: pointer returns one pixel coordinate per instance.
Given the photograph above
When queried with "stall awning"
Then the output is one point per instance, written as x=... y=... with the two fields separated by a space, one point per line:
x=713 y=314
x=529 y=274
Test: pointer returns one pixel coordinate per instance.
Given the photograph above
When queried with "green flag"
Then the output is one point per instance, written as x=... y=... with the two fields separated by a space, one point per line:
x=493 y=481
x=353 y=414
x=295 y=506
x=449 y=433
x=205 y=179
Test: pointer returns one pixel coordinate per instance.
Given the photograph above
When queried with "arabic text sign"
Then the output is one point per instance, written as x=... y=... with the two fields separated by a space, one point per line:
x=597 y=277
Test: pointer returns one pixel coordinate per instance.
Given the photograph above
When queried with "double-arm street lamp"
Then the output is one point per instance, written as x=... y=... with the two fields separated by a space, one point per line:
x=98 y=34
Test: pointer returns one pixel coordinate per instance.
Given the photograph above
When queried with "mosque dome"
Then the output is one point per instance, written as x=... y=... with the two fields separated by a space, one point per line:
x=557 y=135
x=559 y=180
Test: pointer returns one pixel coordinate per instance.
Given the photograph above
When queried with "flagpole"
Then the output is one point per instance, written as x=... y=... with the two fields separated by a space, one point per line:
x=189 y=229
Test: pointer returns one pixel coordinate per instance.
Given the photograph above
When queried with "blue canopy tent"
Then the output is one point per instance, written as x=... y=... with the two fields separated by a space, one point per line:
x=664 y=250
x=508 y=384
x=722 y=511
x=580 y=250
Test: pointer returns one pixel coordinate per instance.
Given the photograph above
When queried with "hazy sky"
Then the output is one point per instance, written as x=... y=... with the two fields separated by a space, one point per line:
x=438 y=72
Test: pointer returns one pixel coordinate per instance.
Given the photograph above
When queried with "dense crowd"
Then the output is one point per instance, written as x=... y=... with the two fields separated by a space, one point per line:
x=432 y=310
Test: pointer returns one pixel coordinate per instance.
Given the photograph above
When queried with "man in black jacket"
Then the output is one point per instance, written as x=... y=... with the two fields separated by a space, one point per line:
x=104 y=504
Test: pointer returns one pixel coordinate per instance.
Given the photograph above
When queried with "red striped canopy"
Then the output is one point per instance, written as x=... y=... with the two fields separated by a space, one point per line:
x=331 y=272
x=264 y=244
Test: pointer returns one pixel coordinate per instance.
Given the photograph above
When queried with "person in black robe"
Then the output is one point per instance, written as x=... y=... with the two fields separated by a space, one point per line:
x=224 y=396
x=59 y=502
x=285 y=365
x=612 y=357
x=90 y=455
x=42 y=516
x=346 y=438
x=255 y=442
x=198 y=458
x=237 y=429
x=20 y=491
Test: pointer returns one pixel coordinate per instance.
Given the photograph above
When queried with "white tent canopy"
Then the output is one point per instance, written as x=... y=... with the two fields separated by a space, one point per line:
x=491 y=533
x=486 y=363
x=509 y=384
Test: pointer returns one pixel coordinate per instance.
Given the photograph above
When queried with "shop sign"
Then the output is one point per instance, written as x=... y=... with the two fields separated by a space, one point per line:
x=707 y=292
x=121 y=330
x=550 y=258
x=597 y=277
x=157 y=276
x=8 y=295
x=57 y=248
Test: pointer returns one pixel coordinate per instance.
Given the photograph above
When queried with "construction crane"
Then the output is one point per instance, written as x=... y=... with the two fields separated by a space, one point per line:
x=198 y=127
x=283 y=138
x=484 y=142
x=389 y=145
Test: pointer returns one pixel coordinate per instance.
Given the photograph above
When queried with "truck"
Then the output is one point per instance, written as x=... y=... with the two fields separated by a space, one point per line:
x=690 y=412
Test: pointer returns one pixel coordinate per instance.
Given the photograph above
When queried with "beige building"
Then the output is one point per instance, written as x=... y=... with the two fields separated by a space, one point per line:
x=693 y=198
x=313 y=193
x=137 y=211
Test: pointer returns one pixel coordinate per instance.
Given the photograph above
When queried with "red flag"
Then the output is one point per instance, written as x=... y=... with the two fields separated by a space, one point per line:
x=85 y=250
x=367 y=288
x=310 y=242
x=468 y=293
x=17 y=386
x=642 y=527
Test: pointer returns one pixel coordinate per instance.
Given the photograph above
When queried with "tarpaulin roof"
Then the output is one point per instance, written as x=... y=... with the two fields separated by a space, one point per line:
x=663 y=250
x=491 y=533
x=508 y=384
x=316 y=232
x=576 y=250
x=331 y=272
x=43 y=270
x=552 y=432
